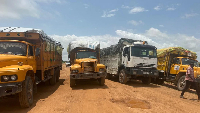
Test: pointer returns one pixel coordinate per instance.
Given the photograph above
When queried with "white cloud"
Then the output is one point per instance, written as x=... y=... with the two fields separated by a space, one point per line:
x=137 y=10
x=110 y=13
x=49 y=1
x=171 y=9
x=114 y=10
x=86 y=5
x=190 y=15
x=22 y=8
x=157 y=8
x=152 y=35
x=125 y=7
x=161 y=25
x=135 y=23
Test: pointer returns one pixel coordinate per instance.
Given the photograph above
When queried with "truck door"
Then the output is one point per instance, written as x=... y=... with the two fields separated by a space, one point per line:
x=31 y=57
x=126 y=56
x=175 y=65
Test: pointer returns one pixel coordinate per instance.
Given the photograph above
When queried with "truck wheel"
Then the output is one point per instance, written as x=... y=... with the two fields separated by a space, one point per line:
x=160 y=82
x=146 y=80
x=101 y=81
x=26 y=95
x=52 y=80
x=122 y=77
x=72 y=82
x=181 y=83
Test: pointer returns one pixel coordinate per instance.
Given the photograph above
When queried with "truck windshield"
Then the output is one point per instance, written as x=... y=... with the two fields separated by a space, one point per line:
x=143 y=52
x=186 y=61
x=85 y=54
x=13 y=48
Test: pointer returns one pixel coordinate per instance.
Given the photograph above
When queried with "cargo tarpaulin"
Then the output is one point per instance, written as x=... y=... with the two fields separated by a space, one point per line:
x=176 y=50
x=84 y=44
x=117 y=48
x=49 y=42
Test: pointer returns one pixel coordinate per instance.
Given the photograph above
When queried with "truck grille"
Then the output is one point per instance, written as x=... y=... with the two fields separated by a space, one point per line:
x=88 y=67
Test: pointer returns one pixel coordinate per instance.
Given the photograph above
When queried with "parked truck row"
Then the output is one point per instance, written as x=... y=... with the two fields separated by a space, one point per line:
x=27 y=58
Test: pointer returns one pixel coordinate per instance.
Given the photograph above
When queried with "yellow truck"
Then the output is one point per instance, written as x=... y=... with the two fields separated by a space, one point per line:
x=85 y=62
x=27 y=57
x=173 y=63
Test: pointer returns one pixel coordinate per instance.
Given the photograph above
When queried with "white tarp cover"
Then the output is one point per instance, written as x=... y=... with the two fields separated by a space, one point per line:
x=84 y=44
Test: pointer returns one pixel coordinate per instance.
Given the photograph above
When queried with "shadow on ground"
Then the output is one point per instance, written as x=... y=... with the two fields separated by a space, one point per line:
x=10 y=104
x=88 y=84
x=135 y=83
x=175 y=88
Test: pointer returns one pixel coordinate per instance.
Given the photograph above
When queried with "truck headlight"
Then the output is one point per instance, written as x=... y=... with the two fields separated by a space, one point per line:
x=5 y=78
x=13 y=77
x=155 y=73
x=101 y=70
x=144 y=72
x=74 y=71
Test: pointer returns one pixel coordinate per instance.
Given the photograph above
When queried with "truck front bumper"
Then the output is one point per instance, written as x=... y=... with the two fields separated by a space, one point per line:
x=10 y=88
x=144 y=72
x=87 y=75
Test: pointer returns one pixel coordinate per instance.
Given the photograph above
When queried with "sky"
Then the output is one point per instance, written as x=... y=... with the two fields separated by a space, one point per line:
x=162 y=23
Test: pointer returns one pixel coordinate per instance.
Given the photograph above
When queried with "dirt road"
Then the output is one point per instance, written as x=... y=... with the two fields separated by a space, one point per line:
x=89 y=97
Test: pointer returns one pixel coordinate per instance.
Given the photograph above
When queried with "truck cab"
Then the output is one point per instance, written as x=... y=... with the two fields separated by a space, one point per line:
x=178 y=70
x=85 y=64
x=140 y=62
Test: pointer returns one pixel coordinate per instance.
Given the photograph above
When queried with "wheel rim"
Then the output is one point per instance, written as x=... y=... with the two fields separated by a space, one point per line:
x=30 y=91
x=121 y=76
x=182 y=83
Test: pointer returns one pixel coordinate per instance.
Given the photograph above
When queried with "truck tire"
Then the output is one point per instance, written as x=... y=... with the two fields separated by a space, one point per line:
x=160 y=82
x=26 y=95
x=52 y=80
x=146 y=80
x=122 y=77
x=181 y=83
x=72 y=82
x=101 y=81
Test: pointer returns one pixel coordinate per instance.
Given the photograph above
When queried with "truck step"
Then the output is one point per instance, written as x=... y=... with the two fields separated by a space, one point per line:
x=38 y=82
x=47 y=78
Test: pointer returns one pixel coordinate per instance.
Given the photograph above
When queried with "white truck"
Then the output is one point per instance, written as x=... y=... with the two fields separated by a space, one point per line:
x=130 y=59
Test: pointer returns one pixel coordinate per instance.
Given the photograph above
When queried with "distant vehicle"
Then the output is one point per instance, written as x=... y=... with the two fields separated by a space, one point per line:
x=67 y=63
x=85 y=62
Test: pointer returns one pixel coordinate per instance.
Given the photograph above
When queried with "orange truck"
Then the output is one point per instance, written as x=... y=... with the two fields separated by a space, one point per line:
x=27 y=57
x=85 y=62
